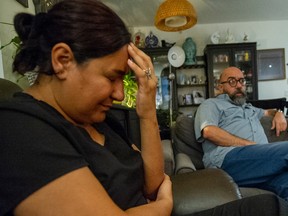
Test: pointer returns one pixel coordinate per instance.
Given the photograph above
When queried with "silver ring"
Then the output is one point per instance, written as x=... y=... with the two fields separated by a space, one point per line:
x=148 y=73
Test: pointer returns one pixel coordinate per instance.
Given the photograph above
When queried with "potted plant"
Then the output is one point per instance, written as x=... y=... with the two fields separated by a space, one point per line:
x=15 y=41
x=130 y=90
x=31 y=76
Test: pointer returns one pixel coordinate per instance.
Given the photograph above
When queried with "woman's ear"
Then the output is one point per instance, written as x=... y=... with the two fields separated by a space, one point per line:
x=62 y=59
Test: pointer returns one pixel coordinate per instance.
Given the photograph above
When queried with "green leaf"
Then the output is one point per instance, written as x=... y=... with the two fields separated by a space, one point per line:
x=130 y=90
x=15 y=41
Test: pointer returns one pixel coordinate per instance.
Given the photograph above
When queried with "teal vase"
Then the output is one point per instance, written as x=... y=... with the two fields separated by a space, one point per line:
x=189 y=48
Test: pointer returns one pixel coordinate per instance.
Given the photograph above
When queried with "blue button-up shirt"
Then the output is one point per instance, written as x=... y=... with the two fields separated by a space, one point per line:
x=242 y=121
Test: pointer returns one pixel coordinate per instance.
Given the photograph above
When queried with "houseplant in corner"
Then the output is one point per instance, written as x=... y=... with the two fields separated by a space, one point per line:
x=16 y=42
x=130 y=91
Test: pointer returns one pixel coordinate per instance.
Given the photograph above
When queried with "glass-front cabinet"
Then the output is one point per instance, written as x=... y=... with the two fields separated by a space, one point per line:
x=165 y=98
x=241 y=55
x=162 y=67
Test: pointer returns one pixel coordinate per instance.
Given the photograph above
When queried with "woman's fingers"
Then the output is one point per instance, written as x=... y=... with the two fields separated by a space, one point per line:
x=143 y=68
x=139 y=57
x=141 y=64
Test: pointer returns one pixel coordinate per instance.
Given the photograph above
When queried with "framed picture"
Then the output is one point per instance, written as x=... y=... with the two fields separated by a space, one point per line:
x=23 y=2
x=198 y=96
x=188 y=99
x=271 y=64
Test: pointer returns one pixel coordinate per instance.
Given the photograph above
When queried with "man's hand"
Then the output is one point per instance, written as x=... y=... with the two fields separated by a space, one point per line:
x=279 y=123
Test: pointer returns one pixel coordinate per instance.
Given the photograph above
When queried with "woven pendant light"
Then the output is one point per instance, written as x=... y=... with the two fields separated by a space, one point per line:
x=175 y=15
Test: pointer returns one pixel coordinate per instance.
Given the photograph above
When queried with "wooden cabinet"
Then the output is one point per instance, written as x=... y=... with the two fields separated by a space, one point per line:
x=189 y=86
x=241 y=55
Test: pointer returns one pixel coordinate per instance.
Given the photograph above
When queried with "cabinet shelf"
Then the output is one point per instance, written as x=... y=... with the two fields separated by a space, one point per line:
x=221 y=63
x=196 y=90
x=189 y=105
x=191 y=85
x=195 y=66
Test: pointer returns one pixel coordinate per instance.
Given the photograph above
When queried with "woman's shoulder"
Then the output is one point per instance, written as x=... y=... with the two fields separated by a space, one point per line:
x=22 y=104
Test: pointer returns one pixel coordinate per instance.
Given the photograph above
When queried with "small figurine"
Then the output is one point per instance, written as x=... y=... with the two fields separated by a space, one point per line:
x=215 y=38
x=189 y=48
x=139 y=38
x=229 y=37
x=245 y=38
x=151 y=41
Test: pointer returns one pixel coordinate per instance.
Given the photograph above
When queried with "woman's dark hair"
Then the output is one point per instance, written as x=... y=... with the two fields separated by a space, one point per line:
x=88 y=27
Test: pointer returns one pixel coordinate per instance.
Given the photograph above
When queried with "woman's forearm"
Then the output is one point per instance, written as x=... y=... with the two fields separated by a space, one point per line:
x=152 y=154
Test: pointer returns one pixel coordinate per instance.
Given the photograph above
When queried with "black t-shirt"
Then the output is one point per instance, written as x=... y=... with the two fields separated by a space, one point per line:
x=37 y=146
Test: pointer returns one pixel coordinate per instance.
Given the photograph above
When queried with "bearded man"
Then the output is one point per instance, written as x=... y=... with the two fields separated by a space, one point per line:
x=234 y=140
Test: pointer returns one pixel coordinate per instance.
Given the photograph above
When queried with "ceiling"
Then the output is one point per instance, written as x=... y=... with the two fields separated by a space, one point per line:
x=137 y=13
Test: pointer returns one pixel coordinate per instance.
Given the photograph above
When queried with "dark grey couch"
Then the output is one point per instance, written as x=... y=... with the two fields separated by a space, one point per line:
x=184 y=143
x=196 y=188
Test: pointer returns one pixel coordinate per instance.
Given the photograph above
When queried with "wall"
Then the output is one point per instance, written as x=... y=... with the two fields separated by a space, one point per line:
x=1 y=64
x=268 y=35
x=8 y=9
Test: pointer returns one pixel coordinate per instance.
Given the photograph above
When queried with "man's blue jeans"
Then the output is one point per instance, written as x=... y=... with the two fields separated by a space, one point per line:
x=263 y=166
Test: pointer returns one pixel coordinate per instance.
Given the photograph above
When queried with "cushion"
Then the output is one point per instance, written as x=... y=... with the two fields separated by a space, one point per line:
x=185 y=141
x=169 y=161
x=184 y=164
x=201 y=190
x=184 y=130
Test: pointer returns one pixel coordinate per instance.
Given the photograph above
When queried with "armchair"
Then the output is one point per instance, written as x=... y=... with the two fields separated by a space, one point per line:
x=187 y=163
x=192 y=191
x=194 y=188
x=185 y=146
x=7 y=89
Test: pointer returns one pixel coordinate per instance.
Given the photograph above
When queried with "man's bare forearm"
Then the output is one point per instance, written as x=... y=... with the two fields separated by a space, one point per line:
x=223 y=138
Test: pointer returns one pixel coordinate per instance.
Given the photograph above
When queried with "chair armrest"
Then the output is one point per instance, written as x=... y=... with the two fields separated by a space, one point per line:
x=169 y=162
x=203 y=189
x=183 y=164
x=266 y=123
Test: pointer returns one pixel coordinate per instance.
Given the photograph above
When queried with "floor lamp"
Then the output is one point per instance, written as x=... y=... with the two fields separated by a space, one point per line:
x=176 y=58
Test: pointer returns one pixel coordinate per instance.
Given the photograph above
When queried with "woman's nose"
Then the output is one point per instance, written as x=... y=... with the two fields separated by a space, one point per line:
x=118 y=92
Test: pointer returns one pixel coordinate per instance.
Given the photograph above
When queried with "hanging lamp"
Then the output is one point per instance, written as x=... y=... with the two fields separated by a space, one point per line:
x=175 y=15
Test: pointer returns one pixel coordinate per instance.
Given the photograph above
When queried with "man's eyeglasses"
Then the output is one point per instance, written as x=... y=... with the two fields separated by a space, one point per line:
x=233 y=81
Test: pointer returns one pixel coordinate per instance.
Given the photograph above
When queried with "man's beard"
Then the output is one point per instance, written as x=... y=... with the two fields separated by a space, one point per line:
x=238 y=100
